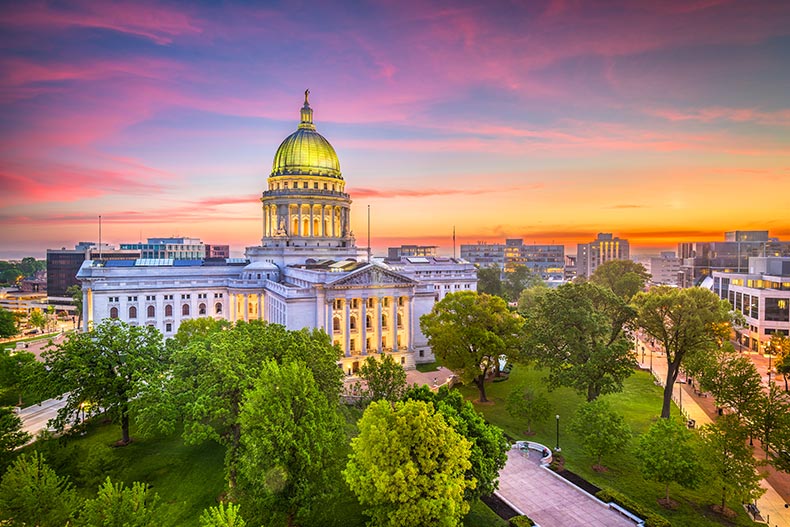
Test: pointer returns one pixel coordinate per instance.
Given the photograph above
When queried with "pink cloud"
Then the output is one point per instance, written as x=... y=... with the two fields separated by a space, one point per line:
x=157 y=23
x=738 y=115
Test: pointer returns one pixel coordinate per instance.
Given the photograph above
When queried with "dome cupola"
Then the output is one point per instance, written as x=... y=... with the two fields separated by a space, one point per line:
x=306 y=152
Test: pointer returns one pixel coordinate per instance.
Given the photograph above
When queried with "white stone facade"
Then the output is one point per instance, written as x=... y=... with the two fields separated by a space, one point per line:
x=307 y=272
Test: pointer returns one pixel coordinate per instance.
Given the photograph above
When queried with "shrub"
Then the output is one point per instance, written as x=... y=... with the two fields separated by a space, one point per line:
x=651 y=518
x=521 y=521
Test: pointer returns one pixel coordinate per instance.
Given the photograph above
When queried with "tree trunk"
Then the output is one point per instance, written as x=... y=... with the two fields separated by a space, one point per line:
x=785 y=376
x=667 y=494
x=125 y=426
x=480 y=381
x=592 y=392
x=233 y=455
x=672 y=374
x=723 y=499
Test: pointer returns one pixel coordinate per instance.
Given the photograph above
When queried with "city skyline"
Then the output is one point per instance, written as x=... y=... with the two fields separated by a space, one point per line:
x=551 y=122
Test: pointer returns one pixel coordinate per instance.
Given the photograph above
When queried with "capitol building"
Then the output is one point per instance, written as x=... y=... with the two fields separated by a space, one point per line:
x=307 y=272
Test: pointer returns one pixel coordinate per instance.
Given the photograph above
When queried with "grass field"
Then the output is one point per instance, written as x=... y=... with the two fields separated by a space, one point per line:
x=640 y=404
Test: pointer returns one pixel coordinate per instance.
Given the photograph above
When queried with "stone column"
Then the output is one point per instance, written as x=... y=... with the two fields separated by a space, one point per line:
x=260 y=306
x=394 y=323
x=379 y=330
x=364 y=330
x=246 y=307
x=347 y=336
x=299 y=230
x=232 y=307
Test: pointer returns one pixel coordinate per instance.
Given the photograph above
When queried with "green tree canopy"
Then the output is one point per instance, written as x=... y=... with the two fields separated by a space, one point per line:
x=75 y=292
x=384 y=378
x=292 y=440
x=38 y=319
x=517 y=280
x=222 y=516
x=668 y=453
x=730 y=461
x=489 y=444
x=103 y=367
x=489 y=281
x=469 y=332
x=407 y=466
x=11 y=433
x=734 y=381
x=7 y=324
x=768 y=417
x=780 y=346
x=624 y=277
x=32 y=494
x=600 y=429
x=685 y=322
x=525 y=403
x=117 y=505
x=578 y=331
x=18 y=370
x=213 y=367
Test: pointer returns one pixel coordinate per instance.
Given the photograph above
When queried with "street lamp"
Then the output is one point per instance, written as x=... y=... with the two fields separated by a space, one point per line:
x=557 y=449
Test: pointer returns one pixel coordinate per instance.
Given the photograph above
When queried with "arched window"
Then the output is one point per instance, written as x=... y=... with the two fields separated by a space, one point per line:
x=336 y=324
x=218 y=308
x=353 y=323
x=168 y=310
x=113 y=312
x=202 y=309
x=151 y=311
x=384 y=321
x=185 y=310
x=368 y=322
x=132 y=312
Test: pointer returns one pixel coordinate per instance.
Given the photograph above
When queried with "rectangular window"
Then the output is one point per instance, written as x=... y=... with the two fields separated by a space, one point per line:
x=168 y=327
x=776 y=309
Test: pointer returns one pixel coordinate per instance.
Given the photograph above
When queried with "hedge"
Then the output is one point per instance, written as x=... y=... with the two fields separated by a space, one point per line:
x=651 y=518
x=521 y=521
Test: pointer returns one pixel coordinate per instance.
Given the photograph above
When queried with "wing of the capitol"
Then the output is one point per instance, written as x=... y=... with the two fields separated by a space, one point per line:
x=306 y=273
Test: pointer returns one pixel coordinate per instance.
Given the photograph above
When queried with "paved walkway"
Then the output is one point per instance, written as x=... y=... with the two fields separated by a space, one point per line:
x=550 y=500
x=35 y=417
x=771 y=504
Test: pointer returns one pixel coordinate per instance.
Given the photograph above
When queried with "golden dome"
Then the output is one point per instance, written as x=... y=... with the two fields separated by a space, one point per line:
x=306 y=152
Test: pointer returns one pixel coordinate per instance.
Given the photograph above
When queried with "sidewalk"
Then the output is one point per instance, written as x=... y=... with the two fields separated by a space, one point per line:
x=550 y=500
x=771 y=504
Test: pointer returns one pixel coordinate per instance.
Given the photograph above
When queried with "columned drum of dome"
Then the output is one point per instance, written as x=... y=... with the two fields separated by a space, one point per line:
x=305 y=204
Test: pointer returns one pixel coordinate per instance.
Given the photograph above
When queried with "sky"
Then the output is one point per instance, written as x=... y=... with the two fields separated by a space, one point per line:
x=551 y=121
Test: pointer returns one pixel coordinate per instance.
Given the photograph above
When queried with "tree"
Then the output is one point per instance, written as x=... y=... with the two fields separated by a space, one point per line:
x=32 y=494
x=730 y=460
x=768 y=414
x=489 y=444
x=103 y=367
x=222 y=516
x=668 y=454
x=7 y=324
x=780 y=345
x=407 y=466
x=75 y=292
x=524 y=403
x=119 y=506
x=38 y=319
x=529 y=297
x=489 y=281
x=686 y=322
x=600 y=430
x=469 y=332
x=292 y=439
x=17 y=370
x=11 y=433
x=215 y=367
x=734 y=381
x=517 y=280
x=578 y=331
x=385 y=378
x=624 y=277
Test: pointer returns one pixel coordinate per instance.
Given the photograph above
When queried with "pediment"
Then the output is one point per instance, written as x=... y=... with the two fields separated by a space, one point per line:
x=371 y=276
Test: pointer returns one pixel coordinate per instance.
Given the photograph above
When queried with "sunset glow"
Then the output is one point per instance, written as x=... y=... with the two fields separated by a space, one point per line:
x=550 y=121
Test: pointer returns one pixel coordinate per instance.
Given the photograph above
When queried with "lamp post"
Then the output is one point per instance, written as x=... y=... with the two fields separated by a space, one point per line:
x=557 y=449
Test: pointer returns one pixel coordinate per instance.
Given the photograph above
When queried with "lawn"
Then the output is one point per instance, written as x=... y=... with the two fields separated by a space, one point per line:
x=640 y=404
